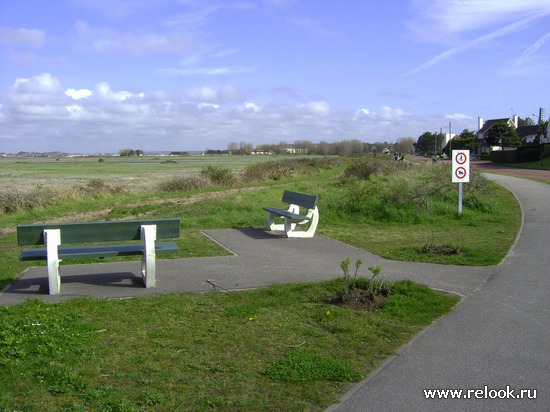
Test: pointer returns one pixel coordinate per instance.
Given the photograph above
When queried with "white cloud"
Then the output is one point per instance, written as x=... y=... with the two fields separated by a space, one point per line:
x=458 y=116
x=318 y=107
x=29 y=37
x=78 y=94
x=44 y=83
x=104 y=90
x=503 y=31
x=387 y=112
x=450 y=20
x=444 y=17
x=40 y=107
x=208 y=94
x=530 y=60
x=206 y=71
x=107 y=40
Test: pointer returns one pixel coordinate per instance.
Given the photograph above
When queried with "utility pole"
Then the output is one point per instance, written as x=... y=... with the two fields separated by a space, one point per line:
x=450 y=139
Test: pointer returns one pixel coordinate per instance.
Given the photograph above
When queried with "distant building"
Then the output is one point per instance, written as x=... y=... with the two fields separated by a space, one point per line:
x=528 y=134
x=294 y=150
x=484 y=127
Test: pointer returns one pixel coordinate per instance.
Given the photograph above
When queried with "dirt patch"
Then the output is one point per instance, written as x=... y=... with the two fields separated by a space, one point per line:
x=360 y=299
x=200 y=196
x=441 y=250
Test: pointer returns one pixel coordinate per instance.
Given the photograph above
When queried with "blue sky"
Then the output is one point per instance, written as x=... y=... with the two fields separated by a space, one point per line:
x=101 y=75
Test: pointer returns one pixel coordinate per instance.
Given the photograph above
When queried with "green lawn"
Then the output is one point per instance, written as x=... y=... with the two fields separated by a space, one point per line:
x=274 y=349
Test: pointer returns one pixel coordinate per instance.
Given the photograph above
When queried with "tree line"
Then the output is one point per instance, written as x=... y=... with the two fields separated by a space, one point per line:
x=130 y=152
x=403 y=145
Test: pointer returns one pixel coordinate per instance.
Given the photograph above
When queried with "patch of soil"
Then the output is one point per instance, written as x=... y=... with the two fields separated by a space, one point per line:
x=360 y=299
x=441 y=250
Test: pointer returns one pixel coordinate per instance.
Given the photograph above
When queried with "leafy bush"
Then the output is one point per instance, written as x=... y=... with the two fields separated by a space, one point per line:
x=277 y=170
x=528 y=154
x=182 y=183
x=365 y=167
x=18 y=200
x=219 y=175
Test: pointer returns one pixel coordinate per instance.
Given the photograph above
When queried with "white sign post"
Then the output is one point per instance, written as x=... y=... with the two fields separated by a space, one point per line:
x=461 y=172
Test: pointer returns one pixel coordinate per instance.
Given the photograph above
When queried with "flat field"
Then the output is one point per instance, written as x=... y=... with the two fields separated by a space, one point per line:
x=136 y=173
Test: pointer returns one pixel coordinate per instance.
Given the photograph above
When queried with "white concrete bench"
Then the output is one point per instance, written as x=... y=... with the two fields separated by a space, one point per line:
x=295 y=221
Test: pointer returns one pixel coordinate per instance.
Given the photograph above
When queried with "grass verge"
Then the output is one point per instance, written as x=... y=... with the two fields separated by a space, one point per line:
x=272 y=349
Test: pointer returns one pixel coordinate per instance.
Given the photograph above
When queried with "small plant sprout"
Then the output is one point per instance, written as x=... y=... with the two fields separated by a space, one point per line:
x=348 y=282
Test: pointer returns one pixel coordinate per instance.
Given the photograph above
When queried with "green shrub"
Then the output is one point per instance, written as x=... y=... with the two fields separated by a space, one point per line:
x=365 y=167
x=182 y=183
x=219 y=175
x=96 y=187
x=410 y=195
x=277 y=170
x=528 y=154
x=19 y=200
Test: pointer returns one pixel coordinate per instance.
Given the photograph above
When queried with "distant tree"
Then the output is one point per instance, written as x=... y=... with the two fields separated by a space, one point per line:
x=503 y=135
x=356 y=146
x=428 y=143
x=342 y=148
x=526 y=122
x=405 y=145
x=130 y=152
x=467 y=134
x=543 y=127
x=306 y=145
x=245 y=148
x=323 y=148
x=464 y=141
x=233 y=147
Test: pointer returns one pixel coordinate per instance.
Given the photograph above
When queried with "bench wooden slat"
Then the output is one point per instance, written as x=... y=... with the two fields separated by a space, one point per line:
x=301 y=199
x=286 y=213
x=89 y=232
x=82 y=252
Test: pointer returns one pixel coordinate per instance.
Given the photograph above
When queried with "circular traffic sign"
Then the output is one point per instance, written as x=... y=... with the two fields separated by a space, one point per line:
x=461 y=158
x=460 y=173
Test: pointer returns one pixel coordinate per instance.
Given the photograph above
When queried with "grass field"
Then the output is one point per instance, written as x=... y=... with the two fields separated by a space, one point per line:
x=280 y=348
x=136 y=173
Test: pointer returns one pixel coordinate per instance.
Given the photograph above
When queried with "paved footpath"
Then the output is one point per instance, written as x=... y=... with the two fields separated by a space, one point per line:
x=497 y=337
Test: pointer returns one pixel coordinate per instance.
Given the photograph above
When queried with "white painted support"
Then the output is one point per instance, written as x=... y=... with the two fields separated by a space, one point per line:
x=148 y=269
x=290 y=225
x=313 y=221
x=272 y=216
x=52 y=239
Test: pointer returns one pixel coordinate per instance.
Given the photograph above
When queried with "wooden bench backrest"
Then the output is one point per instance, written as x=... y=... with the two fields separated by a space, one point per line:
x=300 y=199
x=107 y=231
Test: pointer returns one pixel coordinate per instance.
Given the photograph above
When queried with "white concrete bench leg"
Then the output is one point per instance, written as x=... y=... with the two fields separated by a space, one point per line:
x=282 y=226
x=310 y=232
x=52 y=239
x=148 y=267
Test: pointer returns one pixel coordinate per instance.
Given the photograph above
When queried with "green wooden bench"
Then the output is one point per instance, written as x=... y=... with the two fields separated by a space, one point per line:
x=302 y=210
x=53 y=235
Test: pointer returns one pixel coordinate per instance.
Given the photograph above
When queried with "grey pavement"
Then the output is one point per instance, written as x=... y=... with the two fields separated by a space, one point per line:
x=497 y=337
